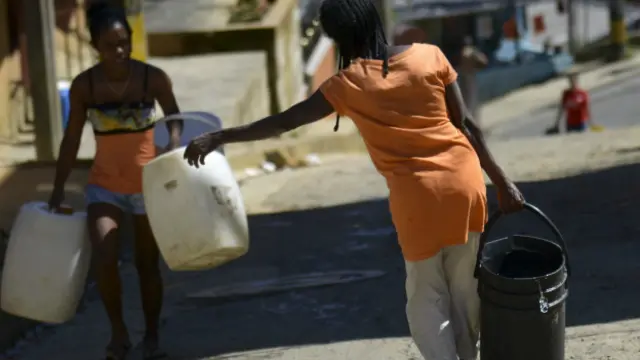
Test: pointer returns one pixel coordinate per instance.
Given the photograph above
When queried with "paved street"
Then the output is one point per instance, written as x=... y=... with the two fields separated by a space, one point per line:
x=614 y=106
x=334 y=217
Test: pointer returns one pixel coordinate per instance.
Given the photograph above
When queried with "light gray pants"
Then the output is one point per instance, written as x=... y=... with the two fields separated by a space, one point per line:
x=443 y=307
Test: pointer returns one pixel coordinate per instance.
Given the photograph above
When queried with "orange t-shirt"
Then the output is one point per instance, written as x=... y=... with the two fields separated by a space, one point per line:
x=437 y=193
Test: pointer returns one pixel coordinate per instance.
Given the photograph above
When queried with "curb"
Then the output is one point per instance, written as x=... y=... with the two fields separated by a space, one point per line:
x=254 y=155
x=352 y=142
x=298 y=148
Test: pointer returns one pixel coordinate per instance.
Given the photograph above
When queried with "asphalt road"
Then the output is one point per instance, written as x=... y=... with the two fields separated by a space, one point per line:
x=613 y=106
x=335 y=217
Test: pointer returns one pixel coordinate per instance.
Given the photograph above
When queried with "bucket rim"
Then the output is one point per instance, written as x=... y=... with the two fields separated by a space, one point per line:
x=498 y=214
x=561 y=267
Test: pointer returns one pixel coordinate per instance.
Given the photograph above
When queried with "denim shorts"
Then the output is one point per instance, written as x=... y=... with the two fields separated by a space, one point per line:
x=129 y=203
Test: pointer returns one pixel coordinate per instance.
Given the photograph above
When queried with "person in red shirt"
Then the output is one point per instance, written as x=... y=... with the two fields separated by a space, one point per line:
x=575 y=104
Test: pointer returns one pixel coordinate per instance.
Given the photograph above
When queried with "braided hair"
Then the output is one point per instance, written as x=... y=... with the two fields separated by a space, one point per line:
x=356 y=27
x=102 y=16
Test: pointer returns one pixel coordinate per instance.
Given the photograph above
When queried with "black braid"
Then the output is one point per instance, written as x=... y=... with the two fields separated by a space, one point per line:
x=356 y=27
x=101 y=16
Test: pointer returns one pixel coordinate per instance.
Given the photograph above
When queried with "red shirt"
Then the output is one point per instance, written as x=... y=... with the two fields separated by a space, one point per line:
x=576 y=104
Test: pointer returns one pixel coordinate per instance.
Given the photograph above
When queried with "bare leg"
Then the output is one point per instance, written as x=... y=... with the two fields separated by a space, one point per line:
x=147 y=262
x=103 y=221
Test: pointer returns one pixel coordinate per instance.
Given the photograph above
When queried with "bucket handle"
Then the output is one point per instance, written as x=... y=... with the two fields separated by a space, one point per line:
x=497 y=215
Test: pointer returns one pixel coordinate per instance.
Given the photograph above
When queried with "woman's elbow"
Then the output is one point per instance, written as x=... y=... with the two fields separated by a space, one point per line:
x=473 y=128
x=72 y=138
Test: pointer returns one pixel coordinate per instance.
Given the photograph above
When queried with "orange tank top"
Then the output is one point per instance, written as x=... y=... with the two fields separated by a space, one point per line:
x=437 y=193
x=124 y=142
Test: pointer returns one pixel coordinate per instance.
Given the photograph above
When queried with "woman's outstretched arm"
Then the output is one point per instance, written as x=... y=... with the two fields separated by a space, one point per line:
x=509 y=196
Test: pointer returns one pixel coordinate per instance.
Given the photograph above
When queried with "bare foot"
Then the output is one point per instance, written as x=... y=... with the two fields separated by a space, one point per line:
x=151 y=348
x=118 y=349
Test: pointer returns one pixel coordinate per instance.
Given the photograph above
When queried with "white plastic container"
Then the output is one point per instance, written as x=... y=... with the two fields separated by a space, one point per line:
x=46 y=264
x=197 y=215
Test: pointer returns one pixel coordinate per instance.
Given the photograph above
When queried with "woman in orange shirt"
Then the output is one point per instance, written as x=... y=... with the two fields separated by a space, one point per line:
x=407 y=105
x=117 y=96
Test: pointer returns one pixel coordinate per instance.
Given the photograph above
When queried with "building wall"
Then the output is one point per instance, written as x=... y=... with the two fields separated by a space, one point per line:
x=73 y=53
x=486 y=28
x=5 y=70
x=277 y=33
x=325 y=69
x=10 y=71
x=288 y=60
x=404 y=34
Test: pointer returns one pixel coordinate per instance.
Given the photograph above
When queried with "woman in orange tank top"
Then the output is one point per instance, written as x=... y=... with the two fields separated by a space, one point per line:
x=406 y=103
x=117 y=96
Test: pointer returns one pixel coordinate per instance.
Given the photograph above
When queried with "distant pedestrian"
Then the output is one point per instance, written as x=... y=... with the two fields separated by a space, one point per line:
x=574 y=106
x=406 y=102
x=471 y=61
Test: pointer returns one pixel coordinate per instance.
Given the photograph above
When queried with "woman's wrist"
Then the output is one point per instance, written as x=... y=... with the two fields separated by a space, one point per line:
x=224 y=136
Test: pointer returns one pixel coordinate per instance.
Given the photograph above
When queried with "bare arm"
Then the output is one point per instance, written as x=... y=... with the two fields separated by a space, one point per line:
x=73 y=134
x=314 y=108
x=161 y=83
x=588 y=105
x=480 y=59
x=558 y=117
x=461 y=118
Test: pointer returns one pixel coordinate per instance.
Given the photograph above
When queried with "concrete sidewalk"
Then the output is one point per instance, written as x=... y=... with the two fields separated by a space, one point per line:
x=320 y=136
x=528 y=100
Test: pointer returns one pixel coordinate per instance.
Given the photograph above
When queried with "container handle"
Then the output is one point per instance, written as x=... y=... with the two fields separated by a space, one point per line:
x=186 y=116
x=497 y=215
x=194 y=116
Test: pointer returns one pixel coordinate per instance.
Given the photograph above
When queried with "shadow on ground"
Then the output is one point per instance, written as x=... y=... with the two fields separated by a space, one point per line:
x=596 y=212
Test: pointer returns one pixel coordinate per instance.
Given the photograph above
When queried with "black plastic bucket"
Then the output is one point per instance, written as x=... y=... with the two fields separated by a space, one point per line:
x=522 y=283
